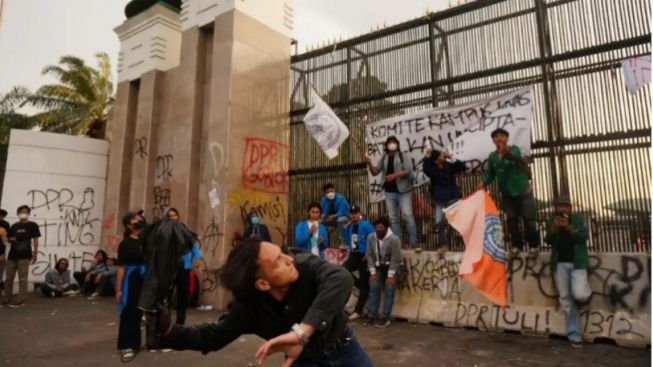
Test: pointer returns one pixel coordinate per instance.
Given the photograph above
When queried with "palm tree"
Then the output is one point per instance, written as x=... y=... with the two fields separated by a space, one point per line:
x=80 y=102
x=9 y=117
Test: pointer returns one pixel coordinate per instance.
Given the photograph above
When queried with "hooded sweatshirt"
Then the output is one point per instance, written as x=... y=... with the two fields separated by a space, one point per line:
x=384 y=253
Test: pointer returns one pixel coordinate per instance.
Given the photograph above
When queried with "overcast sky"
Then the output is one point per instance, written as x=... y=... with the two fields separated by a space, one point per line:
x=35 y=33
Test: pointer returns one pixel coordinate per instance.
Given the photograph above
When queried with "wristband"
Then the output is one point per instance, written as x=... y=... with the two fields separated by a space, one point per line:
x=303 y=338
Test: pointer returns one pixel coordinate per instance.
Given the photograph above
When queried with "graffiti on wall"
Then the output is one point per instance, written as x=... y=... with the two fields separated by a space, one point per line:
x=265 y=166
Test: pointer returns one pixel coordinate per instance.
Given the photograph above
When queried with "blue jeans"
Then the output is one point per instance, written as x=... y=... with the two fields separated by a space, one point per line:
x=573 y=286
x=347 y=355
x=395 y=203
x=375 y=295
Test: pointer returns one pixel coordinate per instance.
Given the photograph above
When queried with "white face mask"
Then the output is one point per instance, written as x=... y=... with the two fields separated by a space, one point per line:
x=392 y=147
x=331 y=195
x=23 y=216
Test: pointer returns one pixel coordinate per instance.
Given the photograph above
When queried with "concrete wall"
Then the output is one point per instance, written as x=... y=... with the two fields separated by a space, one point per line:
x=619 y=308
x=218 y=121
x=62 y=178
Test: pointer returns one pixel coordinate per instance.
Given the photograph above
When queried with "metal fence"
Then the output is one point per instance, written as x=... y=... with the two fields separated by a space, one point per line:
x=590 y=138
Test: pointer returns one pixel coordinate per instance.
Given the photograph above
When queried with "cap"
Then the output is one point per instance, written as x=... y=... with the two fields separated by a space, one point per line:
x=355 y=209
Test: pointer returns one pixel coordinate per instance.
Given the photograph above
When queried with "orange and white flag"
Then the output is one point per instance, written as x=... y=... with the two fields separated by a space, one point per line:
x=484 y=261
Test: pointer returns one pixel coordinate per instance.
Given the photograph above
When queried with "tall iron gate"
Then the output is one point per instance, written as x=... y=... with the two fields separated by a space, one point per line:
x=590 y=138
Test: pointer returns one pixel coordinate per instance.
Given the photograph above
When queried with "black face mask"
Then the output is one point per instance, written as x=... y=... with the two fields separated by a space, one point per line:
x=381 y=234
x=140 y=225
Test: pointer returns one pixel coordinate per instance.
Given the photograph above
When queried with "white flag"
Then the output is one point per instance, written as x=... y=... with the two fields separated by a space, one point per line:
x=637 y=72
x=325 y=126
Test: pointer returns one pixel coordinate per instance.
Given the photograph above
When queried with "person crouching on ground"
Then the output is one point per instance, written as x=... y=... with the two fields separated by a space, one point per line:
x=58 y=282
x=311 y=235
x=296 y=302
x=383 y=260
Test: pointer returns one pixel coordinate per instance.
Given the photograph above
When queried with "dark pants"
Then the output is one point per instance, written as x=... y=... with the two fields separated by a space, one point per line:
x=349 y=354
x=521 y=207
x=129 y=333
x=106 y=286
x=80 y=277
x=182 y=294
x=356 y=261
x=50 y=291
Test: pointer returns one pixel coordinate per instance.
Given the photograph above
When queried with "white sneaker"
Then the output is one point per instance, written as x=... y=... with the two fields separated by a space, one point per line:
x=93 y=296
x=71 y=293
x=354 y=316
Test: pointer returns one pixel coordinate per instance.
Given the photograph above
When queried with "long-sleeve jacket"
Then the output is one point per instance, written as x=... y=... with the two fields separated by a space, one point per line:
x=577 y=238
x=444 y=188
x=260 y=230
x=508 y=171
x=55 y=279
x=303 y=237
x=384 y=253
x=317 y=298
x=400 y=164
x=364 y=230
x=340 y=203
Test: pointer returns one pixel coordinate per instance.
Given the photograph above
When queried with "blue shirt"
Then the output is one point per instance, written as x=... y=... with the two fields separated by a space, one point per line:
x=364 y=230
x=341 y=206
x=303 y=237
x=192 y=255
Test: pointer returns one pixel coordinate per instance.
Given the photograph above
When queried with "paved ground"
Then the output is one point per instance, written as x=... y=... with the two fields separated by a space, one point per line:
x=76 y=332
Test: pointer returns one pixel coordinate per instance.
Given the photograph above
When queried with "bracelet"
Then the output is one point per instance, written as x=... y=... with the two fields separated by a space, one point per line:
x=303 y=338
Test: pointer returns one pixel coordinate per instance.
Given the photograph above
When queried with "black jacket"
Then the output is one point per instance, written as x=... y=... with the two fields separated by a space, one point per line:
x=263 y=232
x=444 y=188
x=164 y=243
x=317 y=298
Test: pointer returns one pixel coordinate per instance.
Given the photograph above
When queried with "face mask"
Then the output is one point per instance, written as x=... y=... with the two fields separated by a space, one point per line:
x=23 y=216
x=381 y=234
x=331 y=195
x=140 y=225
x=392 y=147
x=255 y=220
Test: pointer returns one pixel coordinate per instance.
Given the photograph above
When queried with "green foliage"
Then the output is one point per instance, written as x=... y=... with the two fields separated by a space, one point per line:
x=79 y=103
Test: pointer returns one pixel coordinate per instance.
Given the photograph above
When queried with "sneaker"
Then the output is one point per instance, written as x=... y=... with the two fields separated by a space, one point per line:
x=417 y=249
x=382 y=323
x=370 y=321
x=165 y=350
x=533 y=253
x=93 y=296
x=442 y=250
x=354 y=316
x=127 y=355
x=71 y=293
x=576 y=343
x=513 y=252
x=18 y=304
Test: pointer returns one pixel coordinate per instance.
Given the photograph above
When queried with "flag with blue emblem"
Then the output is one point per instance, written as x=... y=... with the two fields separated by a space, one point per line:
x=484 y=261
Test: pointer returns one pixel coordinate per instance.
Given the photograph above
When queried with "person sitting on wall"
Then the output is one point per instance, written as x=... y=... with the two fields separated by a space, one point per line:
x=444 y=189
x=295 y=302
x=311 y=235
x=106 y=281
x=335 y=208
x=356 y=234
x=58 y=281
x=384 y=259
x=255 y=228
x=567 y=235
